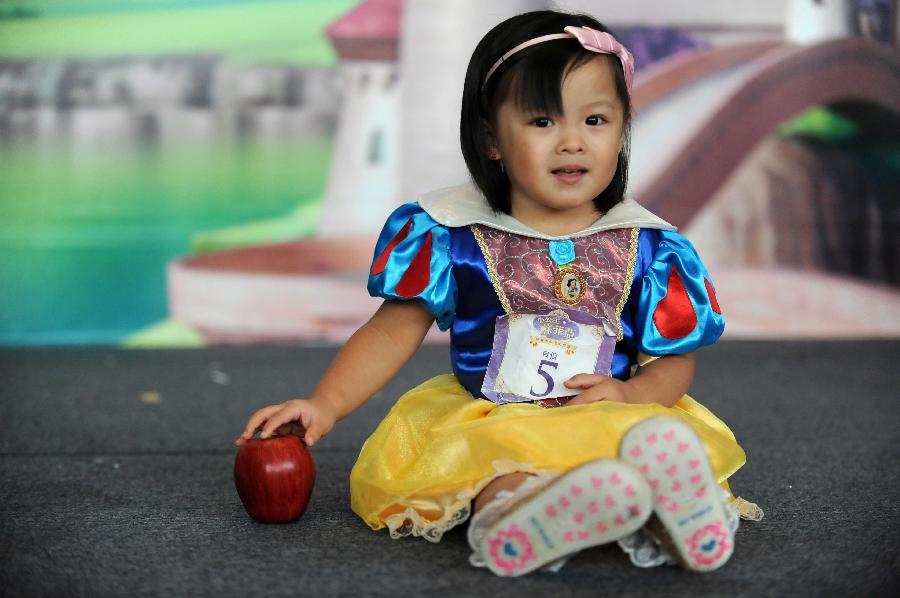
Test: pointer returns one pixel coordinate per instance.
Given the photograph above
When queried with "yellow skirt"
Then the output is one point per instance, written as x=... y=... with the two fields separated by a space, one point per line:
x=439 y=447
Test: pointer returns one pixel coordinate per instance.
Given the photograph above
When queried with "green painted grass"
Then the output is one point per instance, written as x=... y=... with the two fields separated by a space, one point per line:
x=819 y=122
x=284 y=32
x=298 y=224
x=56 y=8
x=167 y=334
x=822 y=123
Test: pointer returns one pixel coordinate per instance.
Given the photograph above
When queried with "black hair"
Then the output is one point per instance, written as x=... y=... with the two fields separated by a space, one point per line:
x=535 y=76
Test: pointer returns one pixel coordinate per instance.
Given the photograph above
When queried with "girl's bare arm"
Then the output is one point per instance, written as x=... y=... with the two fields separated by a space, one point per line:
x=371 y=357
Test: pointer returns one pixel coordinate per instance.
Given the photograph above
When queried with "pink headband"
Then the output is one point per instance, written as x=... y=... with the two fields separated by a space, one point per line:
x=591 y=39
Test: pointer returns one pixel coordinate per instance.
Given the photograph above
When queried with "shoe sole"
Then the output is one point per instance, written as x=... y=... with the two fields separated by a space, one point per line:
x=596 y=503
x=686 y=499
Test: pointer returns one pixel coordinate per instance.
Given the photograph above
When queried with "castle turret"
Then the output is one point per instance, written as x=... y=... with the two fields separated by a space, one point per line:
x=438 y=39
x=814 y=21
x=361 y=182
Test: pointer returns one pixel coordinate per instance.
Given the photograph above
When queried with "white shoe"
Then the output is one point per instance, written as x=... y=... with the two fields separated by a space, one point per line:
x=686 y=496
x=595 y=503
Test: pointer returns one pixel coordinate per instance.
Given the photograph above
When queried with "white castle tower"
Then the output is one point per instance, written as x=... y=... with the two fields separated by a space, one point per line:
x=438 y=39
x=362 y=177
x=813 y=21
x=398 y=130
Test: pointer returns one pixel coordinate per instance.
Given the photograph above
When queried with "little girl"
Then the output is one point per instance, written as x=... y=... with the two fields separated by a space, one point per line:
x=573 y=315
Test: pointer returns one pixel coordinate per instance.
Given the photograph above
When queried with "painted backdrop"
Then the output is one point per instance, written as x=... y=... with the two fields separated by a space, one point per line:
x=183 y=173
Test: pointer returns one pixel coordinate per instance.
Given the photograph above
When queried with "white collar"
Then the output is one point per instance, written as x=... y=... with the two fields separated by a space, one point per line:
x=465 y=204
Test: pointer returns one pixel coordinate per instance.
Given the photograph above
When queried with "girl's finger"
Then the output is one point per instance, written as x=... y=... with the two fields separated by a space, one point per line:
x=270 y=428
x=313 y=431
x=313 y=436
x=591 y=395
x=257 y=419
x=585 y=380
x=275 y=422
x=583 y=399
x=592 y=385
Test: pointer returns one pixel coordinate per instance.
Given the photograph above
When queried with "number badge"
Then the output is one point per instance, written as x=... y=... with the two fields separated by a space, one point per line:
x=534 y=354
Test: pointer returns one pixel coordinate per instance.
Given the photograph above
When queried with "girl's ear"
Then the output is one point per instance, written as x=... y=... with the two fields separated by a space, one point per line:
x=493 y=148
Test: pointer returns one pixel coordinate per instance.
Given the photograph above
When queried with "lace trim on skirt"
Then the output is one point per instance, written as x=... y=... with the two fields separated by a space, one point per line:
x=411 y=523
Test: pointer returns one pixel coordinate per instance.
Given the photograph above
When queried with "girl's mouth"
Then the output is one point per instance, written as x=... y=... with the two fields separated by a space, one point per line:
x=569 y=174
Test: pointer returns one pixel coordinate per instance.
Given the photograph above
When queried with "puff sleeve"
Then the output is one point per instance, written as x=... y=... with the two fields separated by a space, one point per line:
x=412 y=261
x=677 y=310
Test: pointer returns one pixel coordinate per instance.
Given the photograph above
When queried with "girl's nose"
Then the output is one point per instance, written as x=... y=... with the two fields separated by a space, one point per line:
x=570 y=142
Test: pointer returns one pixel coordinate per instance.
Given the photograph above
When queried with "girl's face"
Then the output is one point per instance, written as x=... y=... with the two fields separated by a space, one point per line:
x=558 y=164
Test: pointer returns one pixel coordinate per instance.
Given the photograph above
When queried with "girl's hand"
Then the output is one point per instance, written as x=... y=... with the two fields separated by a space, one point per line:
x=599 y=388
x=310 y=420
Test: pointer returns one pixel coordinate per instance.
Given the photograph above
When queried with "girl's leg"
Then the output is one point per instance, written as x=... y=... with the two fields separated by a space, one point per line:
x=508 y=483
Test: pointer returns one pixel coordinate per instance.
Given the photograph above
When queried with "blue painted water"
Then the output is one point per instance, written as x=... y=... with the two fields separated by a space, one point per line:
x=85 y=236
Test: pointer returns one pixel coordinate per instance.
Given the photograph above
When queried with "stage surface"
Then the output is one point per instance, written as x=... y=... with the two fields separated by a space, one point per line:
x=116 y=479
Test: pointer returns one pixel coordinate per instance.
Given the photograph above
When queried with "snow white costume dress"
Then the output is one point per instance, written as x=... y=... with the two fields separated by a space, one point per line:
x=516 y=302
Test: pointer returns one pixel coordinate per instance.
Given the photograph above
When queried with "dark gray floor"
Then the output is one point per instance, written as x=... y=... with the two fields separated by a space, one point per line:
x=105 y=494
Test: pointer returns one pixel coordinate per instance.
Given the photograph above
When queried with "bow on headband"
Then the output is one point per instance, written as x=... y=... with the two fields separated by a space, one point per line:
x=590 y=39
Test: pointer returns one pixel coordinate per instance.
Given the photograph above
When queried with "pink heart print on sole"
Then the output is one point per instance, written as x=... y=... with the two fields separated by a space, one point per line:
x=686 y=496
x=595 y=503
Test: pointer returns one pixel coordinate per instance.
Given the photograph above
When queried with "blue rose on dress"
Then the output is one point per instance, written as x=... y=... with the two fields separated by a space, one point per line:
x=562 y=252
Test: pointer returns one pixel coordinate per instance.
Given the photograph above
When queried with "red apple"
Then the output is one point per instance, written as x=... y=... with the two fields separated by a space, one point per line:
x=274 y=478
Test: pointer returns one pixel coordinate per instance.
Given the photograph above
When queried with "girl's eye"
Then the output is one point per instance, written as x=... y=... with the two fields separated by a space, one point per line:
x=542 y=122
x=594 y=120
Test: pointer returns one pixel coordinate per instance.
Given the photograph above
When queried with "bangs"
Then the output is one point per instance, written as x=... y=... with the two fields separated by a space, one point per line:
x=535 y=81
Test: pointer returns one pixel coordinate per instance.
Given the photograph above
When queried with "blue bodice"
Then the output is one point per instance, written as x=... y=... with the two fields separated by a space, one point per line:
x=670 y=308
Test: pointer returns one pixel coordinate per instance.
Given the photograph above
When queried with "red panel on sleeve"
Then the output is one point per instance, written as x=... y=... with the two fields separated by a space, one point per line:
x=713 y=301
x=381 y=262
x=675 y=316
x=416 y=277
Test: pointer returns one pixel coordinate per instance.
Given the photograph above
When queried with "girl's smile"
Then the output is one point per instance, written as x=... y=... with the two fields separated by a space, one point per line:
x=557 y=164
x=570 y=174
